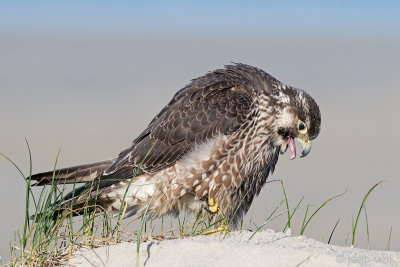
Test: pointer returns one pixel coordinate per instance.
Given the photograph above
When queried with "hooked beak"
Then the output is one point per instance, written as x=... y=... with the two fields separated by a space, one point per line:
x=306 y=144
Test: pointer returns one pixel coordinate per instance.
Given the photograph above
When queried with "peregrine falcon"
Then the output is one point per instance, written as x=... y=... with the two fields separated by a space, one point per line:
x=212 y=147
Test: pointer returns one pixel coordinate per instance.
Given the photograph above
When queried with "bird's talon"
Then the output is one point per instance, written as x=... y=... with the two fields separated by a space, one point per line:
x=212 y=205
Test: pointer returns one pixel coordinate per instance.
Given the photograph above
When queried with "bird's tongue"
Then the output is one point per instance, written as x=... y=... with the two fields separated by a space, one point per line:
x=292 y=146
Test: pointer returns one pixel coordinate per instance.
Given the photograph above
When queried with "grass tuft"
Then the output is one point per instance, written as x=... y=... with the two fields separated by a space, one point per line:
x=52 y=236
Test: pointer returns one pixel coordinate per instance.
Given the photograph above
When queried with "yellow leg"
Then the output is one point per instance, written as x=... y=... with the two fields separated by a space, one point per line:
x=212 y=205
x=223 y=227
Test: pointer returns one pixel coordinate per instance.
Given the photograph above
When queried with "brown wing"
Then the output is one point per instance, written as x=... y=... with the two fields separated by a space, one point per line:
x=217 y=103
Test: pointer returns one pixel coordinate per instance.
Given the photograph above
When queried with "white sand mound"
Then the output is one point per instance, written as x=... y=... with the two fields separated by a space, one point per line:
x=266 y=248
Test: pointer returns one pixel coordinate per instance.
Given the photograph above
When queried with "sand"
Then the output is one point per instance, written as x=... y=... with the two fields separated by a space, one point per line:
x=267 y=248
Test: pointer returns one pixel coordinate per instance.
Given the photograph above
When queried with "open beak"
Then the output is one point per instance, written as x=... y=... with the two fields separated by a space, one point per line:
x=306 y=144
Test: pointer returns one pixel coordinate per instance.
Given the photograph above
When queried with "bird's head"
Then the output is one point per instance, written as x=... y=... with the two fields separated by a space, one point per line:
x=297 y=118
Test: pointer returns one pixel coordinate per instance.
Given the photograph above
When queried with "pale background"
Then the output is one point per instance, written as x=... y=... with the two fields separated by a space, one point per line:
x=90 y=76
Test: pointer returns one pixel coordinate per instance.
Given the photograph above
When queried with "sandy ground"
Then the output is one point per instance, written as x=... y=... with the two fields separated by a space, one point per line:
x=267 y=248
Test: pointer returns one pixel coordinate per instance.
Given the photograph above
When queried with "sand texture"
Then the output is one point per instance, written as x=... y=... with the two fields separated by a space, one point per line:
x=267 y=248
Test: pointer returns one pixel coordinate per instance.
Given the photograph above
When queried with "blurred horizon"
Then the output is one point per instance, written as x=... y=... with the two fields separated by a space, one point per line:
x=89 y=76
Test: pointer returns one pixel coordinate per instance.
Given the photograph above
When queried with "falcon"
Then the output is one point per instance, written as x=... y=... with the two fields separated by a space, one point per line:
x=212 y=147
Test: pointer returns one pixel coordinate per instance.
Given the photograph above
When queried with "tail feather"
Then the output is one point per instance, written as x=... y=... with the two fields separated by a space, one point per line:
x=81 y=199
x=79 y=174
x=95 y=195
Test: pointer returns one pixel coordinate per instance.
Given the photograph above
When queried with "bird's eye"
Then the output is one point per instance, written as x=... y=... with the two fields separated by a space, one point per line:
x=302 y=127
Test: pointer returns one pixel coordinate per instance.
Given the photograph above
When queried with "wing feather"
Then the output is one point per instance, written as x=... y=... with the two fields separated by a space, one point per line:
x=214 y=104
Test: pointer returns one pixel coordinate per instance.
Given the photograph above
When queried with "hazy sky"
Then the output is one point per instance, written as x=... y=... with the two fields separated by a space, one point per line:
x=90 y=76
x=221 y=17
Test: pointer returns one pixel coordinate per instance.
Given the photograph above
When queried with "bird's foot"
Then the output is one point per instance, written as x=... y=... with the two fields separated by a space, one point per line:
x=212 y=205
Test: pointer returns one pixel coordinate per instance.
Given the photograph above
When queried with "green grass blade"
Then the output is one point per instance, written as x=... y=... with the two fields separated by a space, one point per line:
x=291 y=215
x=19 y=170
x=390 y=237
x=127 y=188
x=359 y=211
x=366 y=222
x=28 y=186
x=266 y=220
x=139 y=234
x=287 y=204
x=333 y=230
x=303 y=228
x=305 y=217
